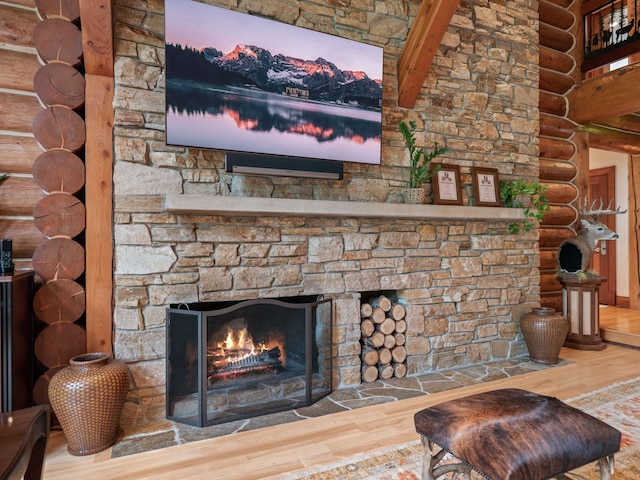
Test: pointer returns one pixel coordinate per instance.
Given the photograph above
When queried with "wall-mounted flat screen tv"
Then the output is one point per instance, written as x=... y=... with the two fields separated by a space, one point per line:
x=241 y=83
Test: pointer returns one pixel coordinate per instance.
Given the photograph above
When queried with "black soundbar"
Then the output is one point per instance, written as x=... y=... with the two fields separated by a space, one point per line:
x=257 y=164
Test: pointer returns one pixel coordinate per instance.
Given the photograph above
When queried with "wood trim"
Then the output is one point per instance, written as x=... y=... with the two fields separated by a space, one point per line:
x=97 y=36
x=99 y=211
x=634 y=231
x=622 y=302
x=421 y=46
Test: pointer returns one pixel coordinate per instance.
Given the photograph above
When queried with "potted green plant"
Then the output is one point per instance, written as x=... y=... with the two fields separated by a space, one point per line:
x=421 y=170
x=526 y=195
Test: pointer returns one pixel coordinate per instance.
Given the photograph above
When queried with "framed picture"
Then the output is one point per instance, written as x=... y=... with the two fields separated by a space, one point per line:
x=446 y=185
x=486 y=186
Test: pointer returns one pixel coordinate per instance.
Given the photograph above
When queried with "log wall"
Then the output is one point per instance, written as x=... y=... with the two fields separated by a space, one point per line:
x=19 y=193
x=558 y=148
x=60 y=215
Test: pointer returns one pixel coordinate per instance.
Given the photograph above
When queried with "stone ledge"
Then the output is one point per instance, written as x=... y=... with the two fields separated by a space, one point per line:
x=241 y=206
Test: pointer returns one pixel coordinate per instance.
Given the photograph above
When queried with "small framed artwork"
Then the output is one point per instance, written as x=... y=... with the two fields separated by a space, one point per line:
x=447 y=189
x=486 y=186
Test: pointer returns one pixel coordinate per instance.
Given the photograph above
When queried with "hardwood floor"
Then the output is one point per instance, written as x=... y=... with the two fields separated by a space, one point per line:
x=271 y=453
x=620 y=325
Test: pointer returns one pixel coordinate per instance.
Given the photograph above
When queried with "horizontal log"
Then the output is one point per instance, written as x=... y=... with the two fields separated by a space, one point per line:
x=59 y=84
x=552 y=237
x=401 y=339
x=401 y=326
x=389 y=341
x=397 y=311
x=59 y=127
x=552 y=14
x=557 y=127
x=60 y=214
x=18 y=153
x=365 y=310
x=18 y=196
x=399 y=353
x=59 y=258
x=613 y=140
x=629 y=122
x=369 y=356
x=556 y=148
x=59 y=171
x=555 y=38
x=560 y=215
x=17 y=70
x=555 y=82
x=25 y=235
x=562 y=193
x=17 y=112
x=552 y=104
x=555 y=60
x=549 y=259
x=378 y=316
x=605 y=96
x=16 y=25
x=382 y=302
x=549 y=283
x=552 y=170
x=68 y=10
x=552 y=300
x=52 y=352
x=58 y=40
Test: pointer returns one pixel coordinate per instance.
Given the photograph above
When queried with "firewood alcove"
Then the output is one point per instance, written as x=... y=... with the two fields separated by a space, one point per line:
x=228 y=361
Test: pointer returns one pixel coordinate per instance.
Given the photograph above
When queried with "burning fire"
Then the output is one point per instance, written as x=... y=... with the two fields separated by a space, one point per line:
x=240 y=348
x=237 y=354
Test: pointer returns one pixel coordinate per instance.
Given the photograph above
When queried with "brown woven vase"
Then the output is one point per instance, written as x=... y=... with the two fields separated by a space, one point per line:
x=87 y=397
x=544 y=332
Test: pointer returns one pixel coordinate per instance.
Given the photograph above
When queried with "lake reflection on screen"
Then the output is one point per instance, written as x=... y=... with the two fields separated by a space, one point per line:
x=242 y=119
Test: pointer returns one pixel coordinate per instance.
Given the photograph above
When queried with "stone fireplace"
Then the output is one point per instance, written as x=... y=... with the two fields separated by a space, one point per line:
x=187 y=232
x=232 y=360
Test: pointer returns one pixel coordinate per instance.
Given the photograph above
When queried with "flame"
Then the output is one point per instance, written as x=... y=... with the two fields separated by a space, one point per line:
x=241 y=344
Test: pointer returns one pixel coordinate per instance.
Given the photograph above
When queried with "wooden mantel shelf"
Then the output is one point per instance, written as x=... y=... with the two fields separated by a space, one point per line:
x=240 y=206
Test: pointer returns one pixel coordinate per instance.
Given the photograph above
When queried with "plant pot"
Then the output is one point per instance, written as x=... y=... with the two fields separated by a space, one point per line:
x=87 y=398
x=544 y=331
x=522 y=201
x=413 y=195
x=428 y=190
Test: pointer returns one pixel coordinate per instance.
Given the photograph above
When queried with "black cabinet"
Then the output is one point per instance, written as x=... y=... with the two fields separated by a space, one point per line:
x=16 y=340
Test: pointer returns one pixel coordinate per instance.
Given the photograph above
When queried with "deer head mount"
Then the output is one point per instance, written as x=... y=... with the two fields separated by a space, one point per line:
x=574 y=254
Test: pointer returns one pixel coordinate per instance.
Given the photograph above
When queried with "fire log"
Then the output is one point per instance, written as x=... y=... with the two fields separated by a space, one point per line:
x=388 y=326
x=376 y=340
x=381 y=302
x=367 y=328
x=369 y=374
x=385 y=371
x=399 y=370
x=365 y=310
x=378 y=315
x=389 y=341
x=397 y=312
x=386 y=356
x=401 y=326
x=369 y=356
x=399 y=354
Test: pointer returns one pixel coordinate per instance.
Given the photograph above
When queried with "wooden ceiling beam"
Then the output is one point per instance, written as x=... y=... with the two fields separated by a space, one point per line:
x=610 y=95
x=630 y=123
x=612 y=140
x=420 y=48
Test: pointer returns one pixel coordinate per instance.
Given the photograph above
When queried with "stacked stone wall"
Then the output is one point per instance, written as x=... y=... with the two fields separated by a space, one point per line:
x=464 y=282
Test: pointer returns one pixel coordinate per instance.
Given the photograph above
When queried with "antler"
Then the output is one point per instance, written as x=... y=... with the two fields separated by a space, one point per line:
x=596 y=212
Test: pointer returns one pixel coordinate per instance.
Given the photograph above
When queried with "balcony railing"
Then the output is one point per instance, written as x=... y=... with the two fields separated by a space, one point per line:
x=612 y=32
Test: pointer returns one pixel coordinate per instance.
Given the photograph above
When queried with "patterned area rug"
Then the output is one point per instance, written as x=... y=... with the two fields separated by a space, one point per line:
x=618 y=405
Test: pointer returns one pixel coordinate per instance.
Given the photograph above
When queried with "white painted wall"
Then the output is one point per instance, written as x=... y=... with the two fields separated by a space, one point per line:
x=602 y=159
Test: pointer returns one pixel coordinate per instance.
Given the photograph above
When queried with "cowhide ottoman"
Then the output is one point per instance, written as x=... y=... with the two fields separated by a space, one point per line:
x=513 y=434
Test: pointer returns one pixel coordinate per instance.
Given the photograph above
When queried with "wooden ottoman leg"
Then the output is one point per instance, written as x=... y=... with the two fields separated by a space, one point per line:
x=430 y=468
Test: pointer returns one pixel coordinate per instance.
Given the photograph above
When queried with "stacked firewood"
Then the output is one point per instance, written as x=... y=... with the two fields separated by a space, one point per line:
x=383 y=328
